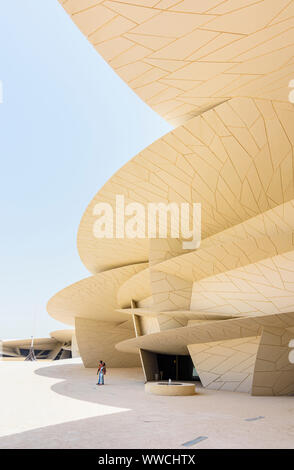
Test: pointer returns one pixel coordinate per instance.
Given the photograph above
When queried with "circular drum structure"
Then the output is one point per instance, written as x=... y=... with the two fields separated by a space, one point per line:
x=172 y=389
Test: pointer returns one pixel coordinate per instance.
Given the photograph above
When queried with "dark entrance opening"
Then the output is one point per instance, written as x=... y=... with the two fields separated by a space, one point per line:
x=176 y=368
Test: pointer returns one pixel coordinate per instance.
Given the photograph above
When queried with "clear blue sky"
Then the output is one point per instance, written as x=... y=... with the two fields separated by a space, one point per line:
x=67 y=124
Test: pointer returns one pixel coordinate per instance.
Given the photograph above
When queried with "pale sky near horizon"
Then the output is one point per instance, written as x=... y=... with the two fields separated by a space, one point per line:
x=68 y=122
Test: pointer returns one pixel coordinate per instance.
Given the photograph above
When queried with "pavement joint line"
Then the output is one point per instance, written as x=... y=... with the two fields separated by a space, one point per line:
x=194 y=441
x=254 y=419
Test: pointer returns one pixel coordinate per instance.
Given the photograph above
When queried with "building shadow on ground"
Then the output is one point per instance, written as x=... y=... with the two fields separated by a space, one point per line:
x=123 y=388
x=123 y=416
x=137 y=419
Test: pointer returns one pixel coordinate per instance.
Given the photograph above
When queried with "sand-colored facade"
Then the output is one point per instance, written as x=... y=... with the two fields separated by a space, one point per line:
x=219 y=71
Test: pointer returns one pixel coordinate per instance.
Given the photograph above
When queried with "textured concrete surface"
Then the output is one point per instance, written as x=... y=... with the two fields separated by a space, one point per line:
x=57 y=405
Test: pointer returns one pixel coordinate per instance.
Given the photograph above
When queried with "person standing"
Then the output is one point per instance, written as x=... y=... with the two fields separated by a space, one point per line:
x=101 y=372
x=98 y=372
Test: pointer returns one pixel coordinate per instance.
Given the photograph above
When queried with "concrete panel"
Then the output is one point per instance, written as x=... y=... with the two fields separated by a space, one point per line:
x=221 y=365
x=274 y=373
x=96 y=341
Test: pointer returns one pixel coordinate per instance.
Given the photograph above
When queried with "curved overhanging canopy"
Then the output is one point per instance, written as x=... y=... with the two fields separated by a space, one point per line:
x=183 y=57
x=175 y=341
x=236 y=160
x=63 y=336
x=186 y=314
x=93 y=298
x=39 y=343
x=224 y=253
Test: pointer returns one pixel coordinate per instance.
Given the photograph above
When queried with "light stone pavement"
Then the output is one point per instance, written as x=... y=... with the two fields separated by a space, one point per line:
x=57 y=405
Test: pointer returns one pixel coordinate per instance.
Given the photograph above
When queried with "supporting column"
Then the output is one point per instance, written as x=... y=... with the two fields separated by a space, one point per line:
x=74 y=347
x=149 y=364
